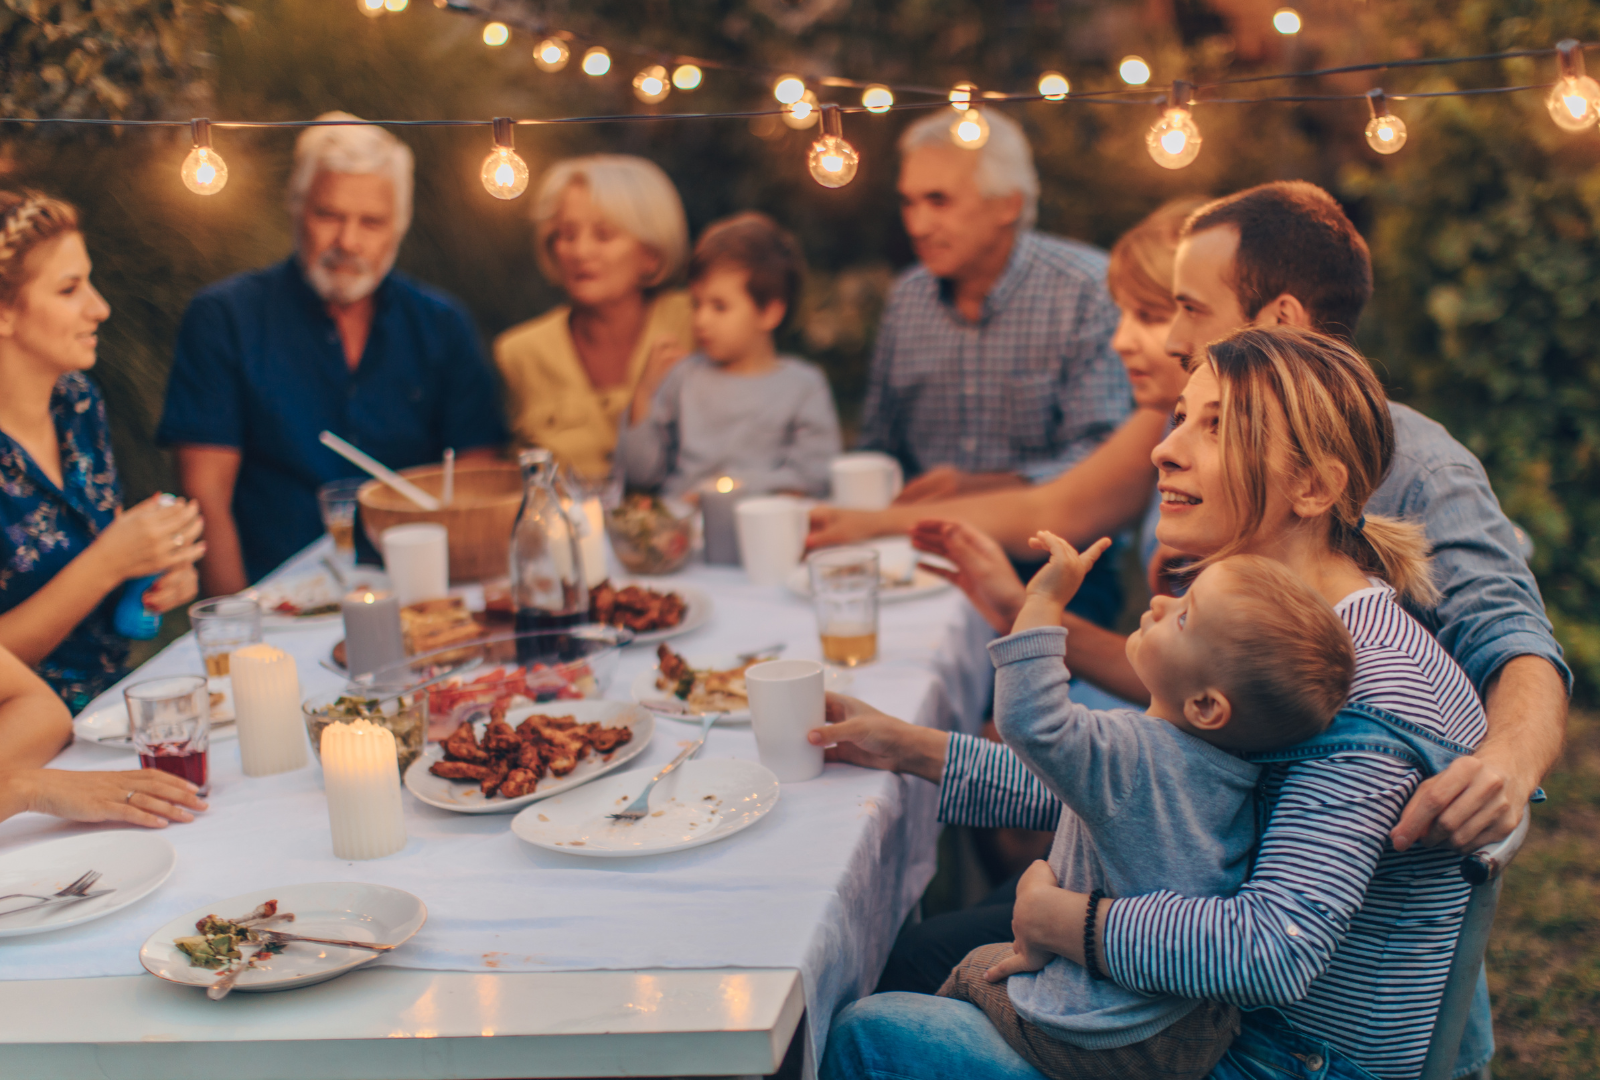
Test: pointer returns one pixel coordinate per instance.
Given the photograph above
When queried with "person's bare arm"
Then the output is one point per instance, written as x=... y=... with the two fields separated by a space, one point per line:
x=207 y=475
x=1479 y=799
x=1101 y=495
x=948 y=482
x=34 y=722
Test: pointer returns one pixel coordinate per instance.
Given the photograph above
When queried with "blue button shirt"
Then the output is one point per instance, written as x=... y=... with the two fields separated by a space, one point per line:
x=259 y=367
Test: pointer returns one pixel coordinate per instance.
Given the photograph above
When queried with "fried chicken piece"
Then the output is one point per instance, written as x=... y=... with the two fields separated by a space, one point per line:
x=462 y=745
x=500 y=738
x=491 y=783
x=460 y=770
x=603 y=602
x=606 y=739
x=519 y=782
x=673 y=667
x=529 y=757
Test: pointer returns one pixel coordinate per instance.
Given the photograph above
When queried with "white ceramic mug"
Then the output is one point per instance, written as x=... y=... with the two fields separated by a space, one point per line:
x=786 y=701
x=772 y=537
x=865 y=481
x=417 y=559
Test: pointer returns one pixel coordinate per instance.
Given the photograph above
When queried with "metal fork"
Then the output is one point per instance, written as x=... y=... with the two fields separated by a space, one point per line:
x=640 y=806
x=76 y=889
x=274 y=936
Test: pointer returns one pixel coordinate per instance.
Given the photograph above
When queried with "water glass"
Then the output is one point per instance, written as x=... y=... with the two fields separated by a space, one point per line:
x=221 y=626
x=844 y=591
x=170 y=723
x=338 y=503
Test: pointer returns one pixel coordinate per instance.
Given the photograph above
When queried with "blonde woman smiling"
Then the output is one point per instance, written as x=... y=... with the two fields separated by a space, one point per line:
x=610 y=230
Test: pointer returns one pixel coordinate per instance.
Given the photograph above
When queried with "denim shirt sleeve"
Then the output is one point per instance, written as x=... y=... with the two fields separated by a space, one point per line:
x=1490 y=609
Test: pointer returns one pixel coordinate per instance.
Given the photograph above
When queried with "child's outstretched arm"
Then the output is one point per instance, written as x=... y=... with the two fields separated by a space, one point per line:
x=1057 y=582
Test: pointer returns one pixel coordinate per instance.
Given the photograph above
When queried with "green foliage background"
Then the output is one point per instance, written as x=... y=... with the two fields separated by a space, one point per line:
x=1485 y=230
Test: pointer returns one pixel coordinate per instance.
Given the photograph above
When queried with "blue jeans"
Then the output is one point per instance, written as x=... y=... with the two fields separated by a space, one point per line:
x=918 y=1037
x=1267 y=1049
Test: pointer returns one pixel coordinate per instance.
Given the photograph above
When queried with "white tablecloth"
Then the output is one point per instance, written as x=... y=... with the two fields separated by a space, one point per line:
x=821 y=884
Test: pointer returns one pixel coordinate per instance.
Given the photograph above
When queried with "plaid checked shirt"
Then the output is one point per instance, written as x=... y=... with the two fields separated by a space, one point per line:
x=1031 y=387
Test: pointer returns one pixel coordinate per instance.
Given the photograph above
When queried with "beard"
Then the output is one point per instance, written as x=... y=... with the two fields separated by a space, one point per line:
x=342 y=278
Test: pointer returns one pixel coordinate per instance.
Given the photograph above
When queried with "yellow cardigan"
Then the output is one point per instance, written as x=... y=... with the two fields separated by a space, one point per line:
x=552 y=402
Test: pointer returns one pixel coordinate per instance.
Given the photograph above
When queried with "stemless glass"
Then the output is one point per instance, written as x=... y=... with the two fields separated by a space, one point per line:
x=338 y=503
x=844 y=591
x=221 y=626
x=170 y=721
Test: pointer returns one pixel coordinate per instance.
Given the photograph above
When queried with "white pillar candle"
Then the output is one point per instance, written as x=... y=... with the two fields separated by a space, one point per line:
x=594 y=542
x=266 y=700
x=372 y=637
x=361 y=775
x=417 y=559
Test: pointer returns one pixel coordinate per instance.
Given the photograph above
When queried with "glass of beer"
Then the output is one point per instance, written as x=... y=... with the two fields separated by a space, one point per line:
x=221 y=626
x=170 y=722
x=844 y=591
x=338 y=503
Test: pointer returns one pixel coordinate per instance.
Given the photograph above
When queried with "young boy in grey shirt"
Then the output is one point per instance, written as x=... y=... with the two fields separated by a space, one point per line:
x=1250 y=658
x=735 y=407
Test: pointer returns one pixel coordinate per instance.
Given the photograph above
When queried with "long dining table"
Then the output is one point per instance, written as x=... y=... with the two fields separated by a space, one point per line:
x=532 y=963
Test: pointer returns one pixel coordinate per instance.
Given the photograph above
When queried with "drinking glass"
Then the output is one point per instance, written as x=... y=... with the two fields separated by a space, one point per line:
x=170 y=722
x=221 y=626
x=844 y=591
x=338 y=503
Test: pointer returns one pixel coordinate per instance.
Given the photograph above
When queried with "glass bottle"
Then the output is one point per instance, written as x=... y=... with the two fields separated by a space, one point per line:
x=548 y=585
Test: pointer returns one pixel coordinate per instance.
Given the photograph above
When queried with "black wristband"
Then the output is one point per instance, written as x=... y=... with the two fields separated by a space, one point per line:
x=1089 y=962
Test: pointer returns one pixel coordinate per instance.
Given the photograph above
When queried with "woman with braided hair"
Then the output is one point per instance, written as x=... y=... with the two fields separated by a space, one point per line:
x=69 y=546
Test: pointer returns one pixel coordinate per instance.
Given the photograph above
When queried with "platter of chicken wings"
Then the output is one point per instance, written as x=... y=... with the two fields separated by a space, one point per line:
x=504 y=761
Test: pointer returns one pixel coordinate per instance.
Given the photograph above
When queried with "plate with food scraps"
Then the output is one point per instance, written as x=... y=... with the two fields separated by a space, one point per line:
x=341 y=910
x=132 y=864
x=310 y=597
x=108 y=726
x=567 y=755
x=651 y=610
x=700 y=802
x=702 y=684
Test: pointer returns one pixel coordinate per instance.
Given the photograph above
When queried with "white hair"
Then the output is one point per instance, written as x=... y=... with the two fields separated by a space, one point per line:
x=631 y=193
x=1005 y=161
x=356 y=149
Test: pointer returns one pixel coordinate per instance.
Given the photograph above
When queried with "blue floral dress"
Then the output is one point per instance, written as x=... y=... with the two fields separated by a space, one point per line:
x=46 y=527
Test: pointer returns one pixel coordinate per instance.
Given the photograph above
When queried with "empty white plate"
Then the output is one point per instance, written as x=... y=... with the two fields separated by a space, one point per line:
x=351 y=910
x=466 y=796
x=697 y=803
x=108 y=726
x=133 y=862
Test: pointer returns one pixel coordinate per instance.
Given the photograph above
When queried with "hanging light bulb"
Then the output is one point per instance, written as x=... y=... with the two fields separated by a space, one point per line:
x=496 y=34
x=970 y=130
x=877 y=98
x=1134 y=71
x=551 y=54
x=804 y=113
x=962 y=95
x=504 y=173
x=1574 y=101
x=395 y=6
x=832 y=161
x=371 y=8
x=651 y=85
x=687 y=77
x=596 y=61
x=1286 y=21
x=204 y=172
x=1386 y=132
x=1054 y=85
x=1174 y=141
x=789 y=89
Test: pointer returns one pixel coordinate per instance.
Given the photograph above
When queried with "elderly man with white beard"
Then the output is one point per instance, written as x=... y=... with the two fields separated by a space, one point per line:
x=332 y=338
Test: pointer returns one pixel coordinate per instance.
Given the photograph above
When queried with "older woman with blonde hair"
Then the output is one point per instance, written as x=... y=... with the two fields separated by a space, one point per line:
x=610 y=230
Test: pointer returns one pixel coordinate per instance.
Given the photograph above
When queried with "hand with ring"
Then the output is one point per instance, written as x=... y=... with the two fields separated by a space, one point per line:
x=145 y=797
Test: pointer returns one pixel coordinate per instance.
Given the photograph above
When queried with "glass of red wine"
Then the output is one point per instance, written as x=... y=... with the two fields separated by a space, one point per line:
x=170 y=722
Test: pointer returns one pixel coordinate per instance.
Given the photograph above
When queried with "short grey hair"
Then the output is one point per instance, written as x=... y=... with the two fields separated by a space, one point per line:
x=1005 y=162
x=630 y=192
x=356 y=149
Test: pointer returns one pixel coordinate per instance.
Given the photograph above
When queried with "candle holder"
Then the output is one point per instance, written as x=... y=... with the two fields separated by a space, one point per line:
x=362 y=779
x=266 y=698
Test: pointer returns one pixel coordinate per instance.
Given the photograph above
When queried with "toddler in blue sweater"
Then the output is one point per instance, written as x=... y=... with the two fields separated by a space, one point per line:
x=1249 y=659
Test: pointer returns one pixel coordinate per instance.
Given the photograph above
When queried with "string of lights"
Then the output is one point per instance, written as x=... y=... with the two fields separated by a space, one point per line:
x=1173 y=141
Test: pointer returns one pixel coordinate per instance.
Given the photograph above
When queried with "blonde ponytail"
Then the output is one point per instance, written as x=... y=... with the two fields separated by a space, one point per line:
x=1391 y=549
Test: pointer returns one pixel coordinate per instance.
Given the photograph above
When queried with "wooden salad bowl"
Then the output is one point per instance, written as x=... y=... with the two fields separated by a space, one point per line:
x=479 y=519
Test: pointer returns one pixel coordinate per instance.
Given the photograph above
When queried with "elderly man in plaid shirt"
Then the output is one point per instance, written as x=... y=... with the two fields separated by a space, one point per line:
x=994 y=365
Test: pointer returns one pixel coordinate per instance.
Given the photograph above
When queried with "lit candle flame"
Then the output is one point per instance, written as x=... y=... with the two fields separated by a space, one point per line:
x=725 y=484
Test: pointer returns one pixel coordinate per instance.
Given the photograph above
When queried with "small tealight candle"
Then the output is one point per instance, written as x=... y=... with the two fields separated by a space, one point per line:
x=266 y=701
x=717 y=500
x=361 y=775
x=372 y=637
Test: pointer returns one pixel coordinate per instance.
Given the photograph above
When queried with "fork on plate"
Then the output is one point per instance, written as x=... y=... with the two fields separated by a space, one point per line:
x=78 y=890
x=640 y=806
